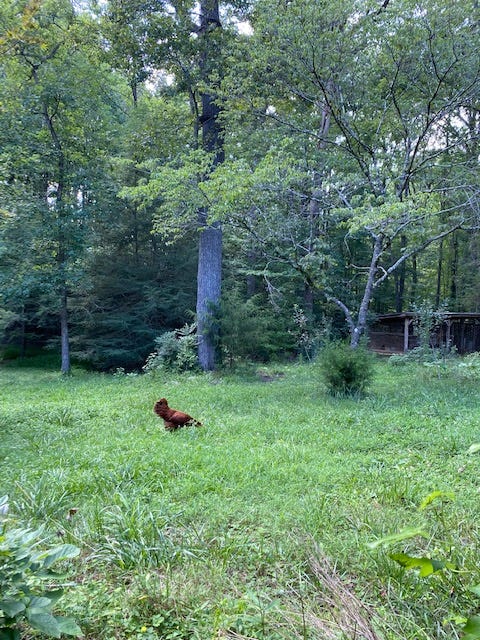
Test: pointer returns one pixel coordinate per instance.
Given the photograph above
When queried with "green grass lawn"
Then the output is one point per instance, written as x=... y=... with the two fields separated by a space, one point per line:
x=258 y=524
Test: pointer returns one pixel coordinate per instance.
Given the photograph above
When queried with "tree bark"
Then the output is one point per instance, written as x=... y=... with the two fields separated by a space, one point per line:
x=65 y=364
x=209 y=274
x=208 y=294
x=454 y=266
x=361 y=323
x=61 y=240
x=438 y=291
x=400 y=283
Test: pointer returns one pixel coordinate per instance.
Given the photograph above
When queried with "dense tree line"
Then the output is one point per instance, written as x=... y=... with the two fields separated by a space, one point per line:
x=280 y=171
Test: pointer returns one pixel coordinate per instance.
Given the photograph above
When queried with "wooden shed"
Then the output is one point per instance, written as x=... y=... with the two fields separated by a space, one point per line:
x=396 y=332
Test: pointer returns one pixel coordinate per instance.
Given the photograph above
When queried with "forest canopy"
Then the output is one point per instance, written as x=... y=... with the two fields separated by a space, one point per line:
x=277 y=172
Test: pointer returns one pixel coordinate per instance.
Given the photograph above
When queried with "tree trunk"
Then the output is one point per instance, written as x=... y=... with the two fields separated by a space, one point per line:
x=361 y=323
x=65 y=365
x=438 y=291
x=209 y=275
x=400 y=283
x=208 y=294
x=454 y=268
x=414 y=291
x=62 y=242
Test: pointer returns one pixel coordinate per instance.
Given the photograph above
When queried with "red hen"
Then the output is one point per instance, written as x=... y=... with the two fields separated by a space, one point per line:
x=172 y=418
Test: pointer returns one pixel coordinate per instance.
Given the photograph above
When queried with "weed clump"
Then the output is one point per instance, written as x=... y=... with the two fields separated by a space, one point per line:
x=344 y=370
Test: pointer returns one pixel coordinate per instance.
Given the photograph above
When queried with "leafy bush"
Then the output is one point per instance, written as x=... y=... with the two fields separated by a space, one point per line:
x=423 y=355
x=249 y=330
x=346 y=371
x=468 y=368
x=25 y=569
x=175 y=351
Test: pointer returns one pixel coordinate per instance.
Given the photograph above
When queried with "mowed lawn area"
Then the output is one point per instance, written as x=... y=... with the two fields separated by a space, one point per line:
x=261 y=523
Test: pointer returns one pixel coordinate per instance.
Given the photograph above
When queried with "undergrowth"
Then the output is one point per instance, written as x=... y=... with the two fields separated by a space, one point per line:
x=254 y=524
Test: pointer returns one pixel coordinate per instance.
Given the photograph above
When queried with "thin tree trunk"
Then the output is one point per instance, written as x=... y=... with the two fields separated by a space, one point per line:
x=251 y=278
x=308 y=299
x=414 y=293
x=454 y=269
x=65 y=365
x=400 y=284
x=61 y=249
x=23 y=343
x=438 y=292
x=361 y=323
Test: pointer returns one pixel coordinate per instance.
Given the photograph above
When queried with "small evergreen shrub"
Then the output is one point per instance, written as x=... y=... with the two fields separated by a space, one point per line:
x=346 y=371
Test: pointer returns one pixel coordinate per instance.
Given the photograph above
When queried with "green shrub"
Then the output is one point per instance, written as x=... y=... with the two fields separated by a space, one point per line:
x=28 y=586
x=468 y=368
x=175 y=351
x=346 y=371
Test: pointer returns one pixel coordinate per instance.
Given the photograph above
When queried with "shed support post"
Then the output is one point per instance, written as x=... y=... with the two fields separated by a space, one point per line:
x=405 y=334
x=447 y=334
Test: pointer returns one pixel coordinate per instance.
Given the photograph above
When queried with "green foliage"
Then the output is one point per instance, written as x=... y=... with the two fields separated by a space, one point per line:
x=118 y=319
x=175 y=351
x=439 y=567
x=468 y=367
x=132 y=535
x=212 y=529
x=251 y=616
x=250 y=330
x=441 y=361
x=29 y=586
x=177 y=190
x=308 y=337
x=346 y=371
x=426 y=321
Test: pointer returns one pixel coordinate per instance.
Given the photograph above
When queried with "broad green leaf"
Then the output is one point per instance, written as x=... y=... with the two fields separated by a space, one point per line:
x=474 y=448
x=39 y=604
x=69 y=626
x=426 y=566
x=54 y=595
x=475 y=589
x=12 y=607
x=472 y=629
x=405 y=534
x=62 y=552
x=46 y=623
x=436 y=495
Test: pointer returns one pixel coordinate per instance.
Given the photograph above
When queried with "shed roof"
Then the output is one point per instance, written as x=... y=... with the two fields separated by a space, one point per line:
x=451 y=315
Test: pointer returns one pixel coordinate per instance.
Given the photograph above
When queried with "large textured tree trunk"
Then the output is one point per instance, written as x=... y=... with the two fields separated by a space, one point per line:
x=209 y=282
x=209 y=275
